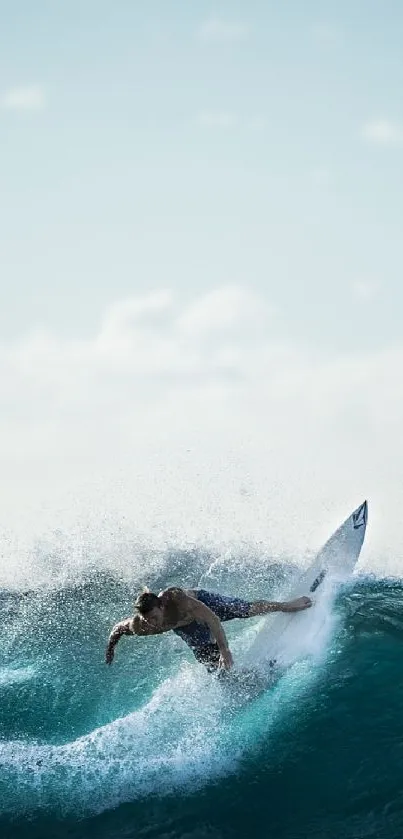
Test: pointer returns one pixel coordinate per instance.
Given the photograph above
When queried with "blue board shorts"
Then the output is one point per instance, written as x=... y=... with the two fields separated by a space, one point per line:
x=198 y=636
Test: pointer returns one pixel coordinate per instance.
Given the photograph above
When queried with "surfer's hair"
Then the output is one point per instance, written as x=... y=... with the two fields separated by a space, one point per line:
x=147 y=601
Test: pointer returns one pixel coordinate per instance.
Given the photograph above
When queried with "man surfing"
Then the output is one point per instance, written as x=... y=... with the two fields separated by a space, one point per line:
x=196 y=616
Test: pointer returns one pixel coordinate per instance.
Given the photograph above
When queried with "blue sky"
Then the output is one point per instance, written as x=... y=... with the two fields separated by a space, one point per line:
x=202 y=211
x=186 y=145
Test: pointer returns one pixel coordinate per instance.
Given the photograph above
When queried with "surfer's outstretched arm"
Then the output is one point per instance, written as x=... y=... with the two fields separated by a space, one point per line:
x=130 y=626
x=122 y=628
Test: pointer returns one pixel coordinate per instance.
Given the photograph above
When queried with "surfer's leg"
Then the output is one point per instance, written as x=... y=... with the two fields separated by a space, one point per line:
x=229 y=608
x=264 y=607
x=209 y=655
x=226 y=608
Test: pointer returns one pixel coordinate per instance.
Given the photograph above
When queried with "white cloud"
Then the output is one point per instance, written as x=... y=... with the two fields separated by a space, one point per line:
x=365 y=290
x=122 y=316
x=170 y=407
x=383 y=132
x=228 y=308
x=24 y=99
x=217 y=119
x=221 y=31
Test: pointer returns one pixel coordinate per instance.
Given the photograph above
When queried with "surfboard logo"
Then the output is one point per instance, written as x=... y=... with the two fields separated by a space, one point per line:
x=316 y=583
x=360 y=516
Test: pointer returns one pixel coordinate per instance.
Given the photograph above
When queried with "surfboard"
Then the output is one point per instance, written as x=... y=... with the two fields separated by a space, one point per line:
x=285 y=636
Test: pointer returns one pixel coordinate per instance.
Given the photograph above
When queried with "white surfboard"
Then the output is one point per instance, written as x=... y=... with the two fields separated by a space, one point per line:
x=286 y=635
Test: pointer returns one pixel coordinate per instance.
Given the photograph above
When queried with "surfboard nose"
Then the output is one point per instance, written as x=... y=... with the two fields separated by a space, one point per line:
x=360 y=516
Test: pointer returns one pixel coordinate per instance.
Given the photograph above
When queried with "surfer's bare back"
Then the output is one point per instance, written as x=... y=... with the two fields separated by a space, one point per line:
x=195 y=615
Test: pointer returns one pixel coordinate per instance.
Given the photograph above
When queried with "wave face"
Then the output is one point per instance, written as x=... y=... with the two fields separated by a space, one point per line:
x=155 y=747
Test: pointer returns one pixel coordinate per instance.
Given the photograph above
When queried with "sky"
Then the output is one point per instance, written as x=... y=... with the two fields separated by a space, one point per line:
x=200 y=268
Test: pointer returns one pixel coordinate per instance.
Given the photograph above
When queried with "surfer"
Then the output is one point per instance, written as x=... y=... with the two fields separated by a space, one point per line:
x=196 y=616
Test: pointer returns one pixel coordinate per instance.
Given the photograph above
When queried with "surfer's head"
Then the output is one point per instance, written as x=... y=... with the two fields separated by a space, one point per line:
x=150 y=607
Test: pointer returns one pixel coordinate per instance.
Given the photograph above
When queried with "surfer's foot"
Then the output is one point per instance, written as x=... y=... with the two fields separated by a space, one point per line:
x=297 y=605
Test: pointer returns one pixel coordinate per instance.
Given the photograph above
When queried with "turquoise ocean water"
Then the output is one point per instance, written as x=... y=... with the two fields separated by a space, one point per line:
x=154 y=747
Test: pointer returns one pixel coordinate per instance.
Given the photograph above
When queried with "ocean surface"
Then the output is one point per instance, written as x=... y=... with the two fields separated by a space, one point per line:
x=155 y=747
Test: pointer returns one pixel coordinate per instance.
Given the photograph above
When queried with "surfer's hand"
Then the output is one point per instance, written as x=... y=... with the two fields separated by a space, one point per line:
x=297 y=605
x=226 y=659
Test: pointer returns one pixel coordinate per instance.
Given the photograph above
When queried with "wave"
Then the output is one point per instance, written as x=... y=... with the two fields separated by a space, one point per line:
x=77 y=739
